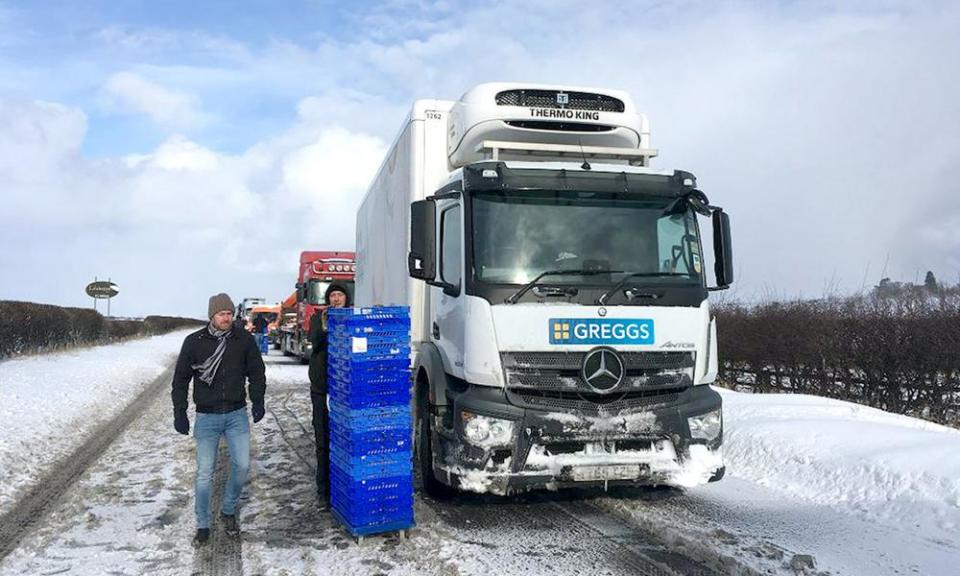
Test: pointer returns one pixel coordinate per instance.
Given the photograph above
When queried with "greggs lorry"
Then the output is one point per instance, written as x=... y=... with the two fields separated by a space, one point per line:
x=561 y=331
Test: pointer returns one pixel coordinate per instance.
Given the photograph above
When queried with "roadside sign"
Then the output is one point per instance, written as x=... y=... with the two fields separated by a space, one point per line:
x=102 y=289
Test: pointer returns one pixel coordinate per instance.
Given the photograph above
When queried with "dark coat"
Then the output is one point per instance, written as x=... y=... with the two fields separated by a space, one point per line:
x=241 y=361
x=318 y=354
x=318 y=342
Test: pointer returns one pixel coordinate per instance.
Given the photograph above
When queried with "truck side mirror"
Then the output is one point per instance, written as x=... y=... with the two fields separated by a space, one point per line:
x=422 y=261
x=722 y=249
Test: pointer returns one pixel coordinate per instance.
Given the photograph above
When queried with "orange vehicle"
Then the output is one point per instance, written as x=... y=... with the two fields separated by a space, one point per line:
x=271 y=313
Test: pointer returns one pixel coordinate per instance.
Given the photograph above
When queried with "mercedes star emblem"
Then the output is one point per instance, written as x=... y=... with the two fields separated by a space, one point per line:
x=602 y=369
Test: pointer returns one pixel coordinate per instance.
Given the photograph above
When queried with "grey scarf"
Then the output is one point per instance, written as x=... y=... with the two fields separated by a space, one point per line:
x=208 y=368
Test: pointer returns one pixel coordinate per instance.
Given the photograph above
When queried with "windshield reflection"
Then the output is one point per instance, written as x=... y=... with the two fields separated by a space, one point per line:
x=519 y=236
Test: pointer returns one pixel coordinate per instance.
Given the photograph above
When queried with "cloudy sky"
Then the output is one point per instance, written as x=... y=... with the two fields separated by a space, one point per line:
x=184 y=148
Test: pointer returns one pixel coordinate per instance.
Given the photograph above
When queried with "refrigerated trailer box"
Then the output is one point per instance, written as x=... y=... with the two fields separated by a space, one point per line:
x=560 y=326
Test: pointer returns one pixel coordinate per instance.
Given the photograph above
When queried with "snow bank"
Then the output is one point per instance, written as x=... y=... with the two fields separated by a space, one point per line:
x=49 y=404
x=892 y=469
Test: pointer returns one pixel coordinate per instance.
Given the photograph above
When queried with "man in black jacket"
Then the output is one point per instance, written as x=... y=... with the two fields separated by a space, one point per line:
x=336 y=296
x=219 y=358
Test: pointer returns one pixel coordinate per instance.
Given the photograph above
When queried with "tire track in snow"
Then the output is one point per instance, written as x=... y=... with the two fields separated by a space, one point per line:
x=223 y=554
x=563 y=529
x=39 y=500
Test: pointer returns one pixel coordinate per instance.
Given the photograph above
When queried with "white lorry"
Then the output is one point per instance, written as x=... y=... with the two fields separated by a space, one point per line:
x=561 y=334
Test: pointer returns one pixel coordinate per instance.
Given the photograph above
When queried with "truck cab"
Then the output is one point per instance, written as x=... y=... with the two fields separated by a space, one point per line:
x=562 y=334
x=318 y=269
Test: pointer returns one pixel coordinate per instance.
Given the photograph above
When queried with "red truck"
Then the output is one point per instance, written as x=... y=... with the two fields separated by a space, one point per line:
x=317 y=271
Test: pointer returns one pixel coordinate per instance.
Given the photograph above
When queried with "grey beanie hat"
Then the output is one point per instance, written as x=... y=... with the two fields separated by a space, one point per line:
x=219 y=303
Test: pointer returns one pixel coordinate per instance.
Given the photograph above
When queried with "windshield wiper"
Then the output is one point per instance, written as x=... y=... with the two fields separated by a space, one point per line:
x=603 y=298
x=526 y=287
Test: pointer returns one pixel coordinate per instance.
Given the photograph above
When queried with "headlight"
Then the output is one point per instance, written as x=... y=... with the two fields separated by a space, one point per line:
x=486 y=430
x=706 y=426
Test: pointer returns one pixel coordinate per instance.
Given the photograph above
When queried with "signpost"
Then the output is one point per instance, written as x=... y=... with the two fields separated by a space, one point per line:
x=102 y=290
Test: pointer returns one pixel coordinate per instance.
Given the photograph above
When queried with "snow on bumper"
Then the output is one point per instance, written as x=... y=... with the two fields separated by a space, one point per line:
x=652 y=446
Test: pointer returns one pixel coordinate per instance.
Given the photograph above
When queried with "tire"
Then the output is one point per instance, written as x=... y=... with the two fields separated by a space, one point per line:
x=423 y=450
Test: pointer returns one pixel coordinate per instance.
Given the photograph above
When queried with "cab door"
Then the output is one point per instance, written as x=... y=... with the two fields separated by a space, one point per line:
x=448 y=310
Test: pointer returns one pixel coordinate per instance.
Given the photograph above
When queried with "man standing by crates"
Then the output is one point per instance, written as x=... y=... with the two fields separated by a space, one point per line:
x=336 y=296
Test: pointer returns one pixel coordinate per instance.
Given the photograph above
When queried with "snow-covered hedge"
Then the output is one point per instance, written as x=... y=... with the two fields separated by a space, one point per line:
x=27 y=327
x=899 y=353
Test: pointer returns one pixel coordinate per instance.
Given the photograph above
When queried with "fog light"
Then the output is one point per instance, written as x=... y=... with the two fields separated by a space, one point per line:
x=706 y=426
x=486 y=430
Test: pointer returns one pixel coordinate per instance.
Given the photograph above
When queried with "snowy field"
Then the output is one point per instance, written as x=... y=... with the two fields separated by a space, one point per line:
x=813 y=486
x=49 y=404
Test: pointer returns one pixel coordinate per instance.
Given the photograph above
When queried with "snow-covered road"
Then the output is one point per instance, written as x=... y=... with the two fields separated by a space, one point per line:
x=810 y=482
x=49 y=404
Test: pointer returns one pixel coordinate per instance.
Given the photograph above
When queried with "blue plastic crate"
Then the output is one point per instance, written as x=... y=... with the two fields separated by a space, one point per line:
x=384 y=378
x=378 y=399
x=358 y=442
x=371 y=513
x=374 y=465
x=373 y=353
x=370 y=313
x=359 y=399
x=368 y=383
x=386 y=524
x=397 y=422
x=377 y=339
x=351 y=366
x=378 y=509
x=373 y=490
x=398 y=330
x=371 y=418
x=360 y=325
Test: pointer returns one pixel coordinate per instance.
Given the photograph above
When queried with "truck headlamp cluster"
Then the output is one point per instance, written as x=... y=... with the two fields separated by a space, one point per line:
x=486 y=430
x=706 y=426
x=343 y=267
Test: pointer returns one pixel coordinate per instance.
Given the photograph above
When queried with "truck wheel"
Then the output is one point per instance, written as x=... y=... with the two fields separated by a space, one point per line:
x=424 y=450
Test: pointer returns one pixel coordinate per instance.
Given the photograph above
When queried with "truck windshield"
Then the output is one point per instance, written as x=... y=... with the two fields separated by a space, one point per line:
x=518 y=235
x=316 y=289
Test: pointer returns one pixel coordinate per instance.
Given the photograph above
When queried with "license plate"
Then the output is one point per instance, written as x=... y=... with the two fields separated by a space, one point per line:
x=613 y=472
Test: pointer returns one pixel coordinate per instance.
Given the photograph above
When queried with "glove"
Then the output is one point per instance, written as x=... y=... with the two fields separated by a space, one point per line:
x=258 y=412
x=181 y=423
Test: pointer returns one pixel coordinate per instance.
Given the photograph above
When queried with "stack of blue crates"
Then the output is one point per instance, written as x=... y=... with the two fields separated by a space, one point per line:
x=371 y=423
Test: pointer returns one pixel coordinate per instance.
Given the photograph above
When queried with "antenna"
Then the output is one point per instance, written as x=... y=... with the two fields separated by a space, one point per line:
x=585 y=165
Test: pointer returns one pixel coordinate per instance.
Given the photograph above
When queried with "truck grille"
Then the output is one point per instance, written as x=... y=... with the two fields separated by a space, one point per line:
x=560 y=371
x=559 y=126
x=552 y=381
x=548 y=99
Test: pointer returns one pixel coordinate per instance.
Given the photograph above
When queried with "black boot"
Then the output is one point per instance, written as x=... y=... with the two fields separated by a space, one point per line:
x=230 y=526
x=203 y=535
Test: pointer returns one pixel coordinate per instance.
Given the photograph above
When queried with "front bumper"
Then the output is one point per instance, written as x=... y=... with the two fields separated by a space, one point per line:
x=649 y=445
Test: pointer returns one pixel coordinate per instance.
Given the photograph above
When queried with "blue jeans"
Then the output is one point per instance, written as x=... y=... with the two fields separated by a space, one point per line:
x=209 y=428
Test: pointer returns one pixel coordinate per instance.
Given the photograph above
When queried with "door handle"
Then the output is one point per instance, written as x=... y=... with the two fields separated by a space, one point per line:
x=436 y=331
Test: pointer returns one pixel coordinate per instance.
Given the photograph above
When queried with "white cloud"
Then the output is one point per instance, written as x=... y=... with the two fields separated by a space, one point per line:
x=38 y=131
x=181 y=215
x=128 y=92
x=830 y=135
x=180 y=154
